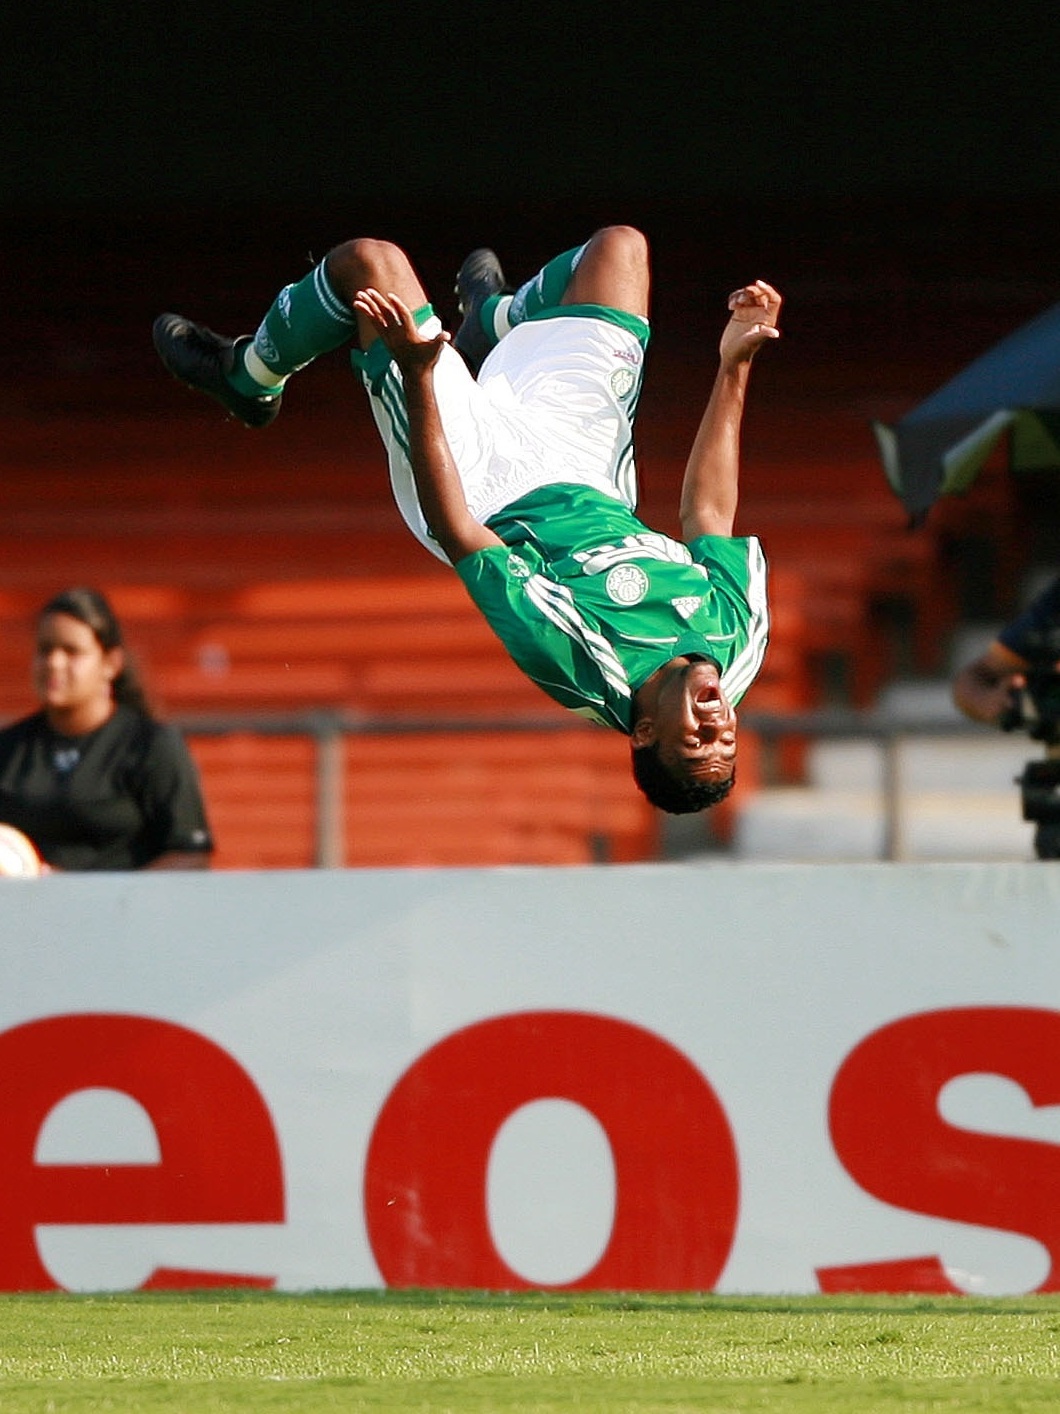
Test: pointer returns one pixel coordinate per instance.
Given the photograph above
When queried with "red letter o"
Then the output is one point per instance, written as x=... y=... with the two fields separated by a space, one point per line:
x=676 y=1170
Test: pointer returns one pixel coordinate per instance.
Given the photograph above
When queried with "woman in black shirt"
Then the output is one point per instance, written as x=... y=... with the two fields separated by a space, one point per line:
x=92 y=778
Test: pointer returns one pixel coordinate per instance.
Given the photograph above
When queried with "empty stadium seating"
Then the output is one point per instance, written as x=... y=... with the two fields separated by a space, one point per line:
x=426 y=798
x=267 y=576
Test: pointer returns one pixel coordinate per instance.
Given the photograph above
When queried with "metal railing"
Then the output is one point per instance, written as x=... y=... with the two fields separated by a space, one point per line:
x=891 y=731
x=329 y=728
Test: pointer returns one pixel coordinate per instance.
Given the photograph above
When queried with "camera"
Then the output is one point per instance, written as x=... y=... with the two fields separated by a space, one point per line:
x=1035 y=709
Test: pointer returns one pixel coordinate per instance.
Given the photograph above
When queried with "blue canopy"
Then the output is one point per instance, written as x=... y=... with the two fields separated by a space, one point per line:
x=940 y=446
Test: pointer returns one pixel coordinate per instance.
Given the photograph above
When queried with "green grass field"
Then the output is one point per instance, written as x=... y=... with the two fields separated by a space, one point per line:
x=537 y=1351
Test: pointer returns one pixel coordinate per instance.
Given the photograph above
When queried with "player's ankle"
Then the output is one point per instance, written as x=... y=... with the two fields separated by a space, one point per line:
x=251 y=377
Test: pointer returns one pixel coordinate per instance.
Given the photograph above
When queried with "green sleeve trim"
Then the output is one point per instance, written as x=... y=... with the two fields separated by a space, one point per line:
x=700 y=546
x=636 y=324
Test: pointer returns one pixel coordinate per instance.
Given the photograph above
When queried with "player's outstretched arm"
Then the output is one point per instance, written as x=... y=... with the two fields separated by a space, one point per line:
x=438 y=485
x=710 y=489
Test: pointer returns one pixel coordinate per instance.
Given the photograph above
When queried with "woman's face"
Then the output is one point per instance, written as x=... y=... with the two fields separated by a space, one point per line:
x=70 y=668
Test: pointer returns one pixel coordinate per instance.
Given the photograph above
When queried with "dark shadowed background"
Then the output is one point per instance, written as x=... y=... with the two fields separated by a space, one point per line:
x=881 y=142
x=892 y=166
x=116 y=103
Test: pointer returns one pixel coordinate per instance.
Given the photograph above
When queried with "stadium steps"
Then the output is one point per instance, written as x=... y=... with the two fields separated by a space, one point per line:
x=959 y=796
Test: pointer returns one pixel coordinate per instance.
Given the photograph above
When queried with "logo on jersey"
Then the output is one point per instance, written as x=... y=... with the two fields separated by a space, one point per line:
x=649 y=545
x=622 y=382
x=687 y=605
x=626 y=584
x=517 y=567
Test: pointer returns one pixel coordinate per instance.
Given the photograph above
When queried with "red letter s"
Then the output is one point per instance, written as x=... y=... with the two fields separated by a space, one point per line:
x=891 y=1139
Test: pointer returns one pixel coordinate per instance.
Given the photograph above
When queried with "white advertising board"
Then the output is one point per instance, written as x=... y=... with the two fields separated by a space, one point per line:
x=783 y=1078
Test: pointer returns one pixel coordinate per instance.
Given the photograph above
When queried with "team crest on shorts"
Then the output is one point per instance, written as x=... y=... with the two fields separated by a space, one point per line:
x=622 y=381
x=626 y=584
x=517 y=567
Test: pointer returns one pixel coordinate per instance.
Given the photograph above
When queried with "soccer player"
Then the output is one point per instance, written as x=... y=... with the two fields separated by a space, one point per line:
x=523 y=478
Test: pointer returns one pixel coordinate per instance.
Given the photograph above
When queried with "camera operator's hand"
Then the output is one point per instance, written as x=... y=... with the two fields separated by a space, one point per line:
x=984 y=689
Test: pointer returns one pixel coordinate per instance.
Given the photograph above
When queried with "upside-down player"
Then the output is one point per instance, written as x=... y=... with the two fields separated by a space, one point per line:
x=523 y=477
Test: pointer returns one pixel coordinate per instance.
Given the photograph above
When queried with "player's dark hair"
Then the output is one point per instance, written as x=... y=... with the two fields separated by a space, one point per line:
x=667 y=791
x=91 y=608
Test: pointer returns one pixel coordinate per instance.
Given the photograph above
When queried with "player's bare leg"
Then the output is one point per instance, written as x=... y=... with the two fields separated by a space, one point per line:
x=613 y=270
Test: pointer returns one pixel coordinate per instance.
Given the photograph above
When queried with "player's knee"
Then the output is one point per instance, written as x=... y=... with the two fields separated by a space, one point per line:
x=364 y=262
x=622 y=247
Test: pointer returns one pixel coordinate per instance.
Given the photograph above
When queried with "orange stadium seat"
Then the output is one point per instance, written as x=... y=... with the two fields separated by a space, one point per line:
x=204 y=686
x=444 y=798
x=260 y=796
x=485 y=685
x=432 y=799
x=424 y=594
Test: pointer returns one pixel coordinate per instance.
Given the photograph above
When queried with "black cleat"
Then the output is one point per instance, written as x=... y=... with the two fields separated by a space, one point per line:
x=202 y=359
x=477 y=280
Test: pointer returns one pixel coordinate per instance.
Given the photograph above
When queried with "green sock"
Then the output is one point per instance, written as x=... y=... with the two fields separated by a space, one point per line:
x=304 y=321
x=546 y=289
x=493 y=316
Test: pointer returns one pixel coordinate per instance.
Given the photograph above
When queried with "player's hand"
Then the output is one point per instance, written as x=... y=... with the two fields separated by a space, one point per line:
x=754 y=310
x=392 y=320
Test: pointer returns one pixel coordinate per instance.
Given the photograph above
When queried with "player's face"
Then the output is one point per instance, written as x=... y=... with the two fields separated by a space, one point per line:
x=695 y=724
x=70 y=668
